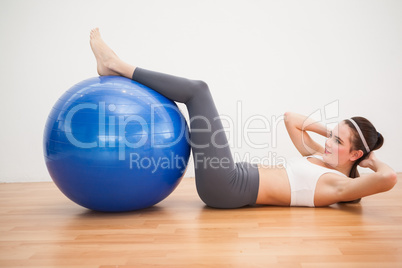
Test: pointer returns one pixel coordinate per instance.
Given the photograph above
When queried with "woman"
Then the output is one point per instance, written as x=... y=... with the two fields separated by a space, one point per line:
x=321 y=178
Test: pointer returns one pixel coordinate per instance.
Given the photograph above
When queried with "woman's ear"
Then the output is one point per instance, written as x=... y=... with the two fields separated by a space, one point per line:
x=355 y=154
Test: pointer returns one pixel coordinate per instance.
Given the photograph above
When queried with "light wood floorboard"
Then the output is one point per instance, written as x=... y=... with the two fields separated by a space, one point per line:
x=39 y=227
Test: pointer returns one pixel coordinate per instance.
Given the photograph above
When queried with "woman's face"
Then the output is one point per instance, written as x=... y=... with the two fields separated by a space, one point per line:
x=338 y=147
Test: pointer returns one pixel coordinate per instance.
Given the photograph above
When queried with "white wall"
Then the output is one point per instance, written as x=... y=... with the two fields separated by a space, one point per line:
x=267 y=56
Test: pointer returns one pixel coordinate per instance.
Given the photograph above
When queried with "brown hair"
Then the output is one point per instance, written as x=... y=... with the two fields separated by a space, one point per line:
x=373 y=139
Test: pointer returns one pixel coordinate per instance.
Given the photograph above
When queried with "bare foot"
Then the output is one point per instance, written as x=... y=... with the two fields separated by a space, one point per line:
x=105 y=57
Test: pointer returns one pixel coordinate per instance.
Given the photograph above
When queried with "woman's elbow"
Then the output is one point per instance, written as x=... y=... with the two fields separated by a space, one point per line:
x=287 y=117
x=389 y=180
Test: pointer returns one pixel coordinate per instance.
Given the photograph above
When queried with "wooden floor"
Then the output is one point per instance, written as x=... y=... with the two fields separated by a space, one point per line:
x=39 y=227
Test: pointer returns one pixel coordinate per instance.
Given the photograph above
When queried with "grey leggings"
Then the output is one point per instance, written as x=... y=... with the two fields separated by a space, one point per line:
x=220 y=182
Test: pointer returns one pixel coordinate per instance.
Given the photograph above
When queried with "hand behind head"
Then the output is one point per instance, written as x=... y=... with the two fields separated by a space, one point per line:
x=368 y=162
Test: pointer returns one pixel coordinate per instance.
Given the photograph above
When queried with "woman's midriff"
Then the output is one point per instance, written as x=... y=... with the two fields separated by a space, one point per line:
x=274 y=186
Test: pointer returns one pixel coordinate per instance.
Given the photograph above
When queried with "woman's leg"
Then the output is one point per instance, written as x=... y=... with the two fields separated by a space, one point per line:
x=220 y=181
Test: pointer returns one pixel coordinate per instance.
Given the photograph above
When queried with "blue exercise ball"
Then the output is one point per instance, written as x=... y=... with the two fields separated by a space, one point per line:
x=112 y=144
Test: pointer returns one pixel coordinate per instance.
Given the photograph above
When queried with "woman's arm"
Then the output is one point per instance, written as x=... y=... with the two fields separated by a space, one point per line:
x=297 y=126
x=383 y=179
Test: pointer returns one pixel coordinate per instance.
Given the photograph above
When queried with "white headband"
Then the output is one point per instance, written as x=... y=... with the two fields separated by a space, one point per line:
x=360 y=134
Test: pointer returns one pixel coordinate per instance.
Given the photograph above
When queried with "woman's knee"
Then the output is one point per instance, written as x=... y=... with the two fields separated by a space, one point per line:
x=200 y=87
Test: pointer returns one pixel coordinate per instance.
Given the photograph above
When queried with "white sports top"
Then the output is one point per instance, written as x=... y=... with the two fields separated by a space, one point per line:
x=303 y=177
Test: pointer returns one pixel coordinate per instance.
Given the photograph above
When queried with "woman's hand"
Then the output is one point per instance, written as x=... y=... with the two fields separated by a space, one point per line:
x=369 y=162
